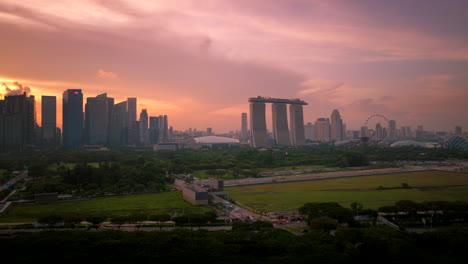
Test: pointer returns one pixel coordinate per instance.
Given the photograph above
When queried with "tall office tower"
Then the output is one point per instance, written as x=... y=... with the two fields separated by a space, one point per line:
x=364 y=131
x=17 y=123
x=280 y=124
x=118 y=125
x=409 y=132
x=49 y=120
x=378 y=132
x=403 y=132
x=209 y=131
x=110 y=110
x=322 y=129
x=392 y=131
x=167 y=136
x=419 y=131
x=144 y=137
x=258 y=130
x=244 y=130
x=72 y=118
x=97 y=120
x=131 y=110
x=336 y=126
x=161 y=128
x=458 y=130
x=344 y=131
x=154 y=129
x=296 y=120
x=170 y=133
x=309 y=131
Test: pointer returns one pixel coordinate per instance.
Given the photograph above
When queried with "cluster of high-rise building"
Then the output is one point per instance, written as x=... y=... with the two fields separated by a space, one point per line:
x=109 y=124
x=101 y=123
x=326 y=129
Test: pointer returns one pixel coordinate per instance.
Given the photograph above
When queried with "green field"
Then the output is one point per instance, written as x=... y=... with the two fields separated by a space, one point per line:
x=70 y=165
x=430 y=185
x=170 y=202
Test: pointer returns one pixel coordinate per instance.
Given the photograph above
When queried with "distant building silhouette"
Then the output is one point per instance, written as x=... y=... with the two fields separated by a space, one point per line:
x=280 y=124
x=336 y=126
x=17 y=123
x=244 y=129
x=49 y=120
x=144 y=137
x=154 y=130
x=322 y=129
x=72 y=118
x=97 y=119
x=118 y=125
x=309 y=131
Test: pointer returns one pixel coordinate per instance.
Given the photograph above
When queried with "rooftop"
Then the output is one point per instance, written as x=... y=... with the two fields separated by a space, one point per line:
x=261 y=99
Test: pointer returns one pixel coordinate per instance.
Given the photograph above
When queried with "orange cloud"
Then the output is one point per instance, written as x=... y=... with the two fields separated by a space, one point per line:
x=107 y=75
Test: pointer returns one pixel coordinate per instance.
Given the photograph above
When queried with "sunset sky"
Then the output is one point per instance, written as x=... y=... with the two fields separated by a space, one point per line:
x=199 y=61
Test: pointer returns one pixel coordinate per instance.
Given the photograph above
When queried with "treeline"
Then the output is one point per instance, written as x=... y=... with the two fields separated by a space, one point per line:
x=72 y=220
x=84 y=179
x=188 y=160
x=244 y=244
x=405 y=213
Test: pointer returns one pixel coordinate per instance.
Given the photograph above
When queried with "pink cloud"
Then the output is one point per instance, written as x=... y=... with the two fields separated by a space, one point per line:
x=107 y=75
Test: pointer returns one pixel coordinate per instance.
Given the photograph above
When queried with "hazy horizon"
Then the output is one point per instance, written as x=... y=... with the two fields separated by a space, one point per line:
x=199 y=62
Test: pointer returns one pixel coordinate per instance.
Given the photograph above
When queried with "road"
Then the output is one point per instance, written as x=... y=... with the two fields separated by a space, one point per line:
x=237 y=211
x=22 y=176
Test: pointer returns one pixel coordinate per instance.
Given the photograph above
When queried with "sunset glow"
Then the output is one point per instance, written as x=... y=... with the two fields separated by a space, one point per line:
x=199 y=61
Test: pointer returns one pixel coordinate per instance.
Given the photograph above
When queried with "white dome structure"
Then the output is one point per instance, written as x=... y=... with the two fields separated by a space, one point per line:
x=216 y=140
x=407 y=143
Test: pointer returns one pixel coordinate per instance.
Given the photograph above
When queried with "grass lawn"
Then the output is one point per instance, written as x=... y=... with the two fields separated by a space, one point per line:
x=70 y=165
x=430 y=185
x=170 y=202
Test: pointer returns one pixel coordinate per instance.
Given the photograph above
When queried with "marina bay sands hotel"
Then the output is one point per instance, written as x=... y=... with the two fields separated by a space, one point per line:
x=294 y=136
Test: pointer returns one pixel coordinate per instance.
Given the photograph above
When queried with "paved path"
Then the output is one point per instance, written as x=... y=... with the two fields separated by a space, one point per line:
x=22 y=176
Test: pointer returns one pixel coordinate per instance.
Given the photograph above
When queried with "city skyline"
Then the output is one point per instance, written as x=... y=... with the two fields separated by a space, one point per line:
x=404 y=60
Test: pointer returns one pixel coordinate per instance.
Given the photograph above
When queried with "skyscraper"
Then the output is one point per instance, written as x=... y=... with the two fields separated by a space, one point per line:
x=392 y=133
x=133 y=135
x=379 y=134
x=244 y=130
x=322 y=129
x=131 y=110
x=49 y=119
x=144 y=137
x=17 y=123
x=258 y=128
x=364 y=131
x=154 y=129
x=72 y=118
x=296 y=121
x=97 y=120
x=280 y=124
x=336 y=126
x=309 y=131
x=118 y=125
x=167 y=136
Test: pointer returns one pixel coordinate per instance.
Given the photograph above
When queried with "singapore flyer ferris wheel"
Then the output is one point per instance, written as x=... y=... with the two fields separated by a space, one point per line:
x=379 y=132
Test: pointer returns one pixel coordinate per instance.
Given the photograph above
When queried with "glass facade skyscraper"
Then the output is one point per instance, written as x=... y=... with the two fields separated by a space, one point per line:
x=72 y=118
